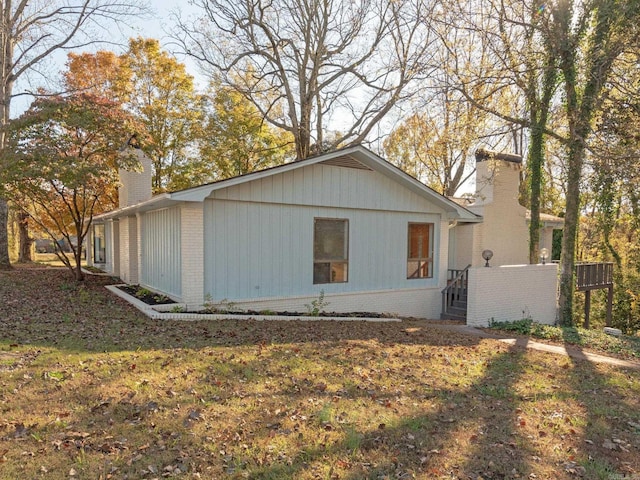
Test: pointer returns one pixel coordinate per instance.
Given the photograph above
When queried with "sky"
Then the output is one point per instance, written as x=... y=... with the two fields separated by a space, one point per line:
x=155 y=25
x=159 y=21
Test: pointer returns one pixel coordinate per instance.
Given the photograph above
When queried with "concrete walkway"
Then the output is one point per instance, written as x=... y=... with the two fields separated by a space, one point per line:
x=523 y=342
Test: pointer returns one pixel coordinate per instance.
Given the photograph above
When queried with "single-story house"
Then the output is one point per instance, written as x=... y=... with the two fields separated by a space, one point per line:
x=346 y=224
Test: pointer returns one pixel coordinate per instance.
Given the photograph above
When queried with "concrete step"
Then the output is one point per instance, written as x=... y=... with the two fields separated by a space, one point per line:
x=457 y=311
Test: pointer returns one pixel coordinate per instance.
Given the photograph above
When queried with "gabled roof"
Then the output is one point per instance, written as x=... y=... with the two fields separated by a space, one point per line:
x=357 y=157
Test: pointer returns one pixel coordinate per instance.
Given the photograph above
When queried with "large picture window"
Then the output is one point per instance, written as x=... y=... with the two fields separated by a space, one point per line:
x=99 y=251
x=420 y=251
x=330 y=250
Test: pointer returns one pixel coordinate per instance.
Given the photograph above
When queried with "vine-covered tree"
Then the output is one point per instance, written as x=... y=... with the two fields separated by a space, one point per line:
x=587 y=41
x=612 y=198
x=562 y=53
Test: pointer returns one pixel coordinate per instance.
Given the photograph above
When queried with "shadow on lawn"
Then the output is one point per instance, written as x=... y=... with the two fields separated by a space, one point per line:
x=484 y=417
x=618 y=423
x=503 y=433
x=488 y=426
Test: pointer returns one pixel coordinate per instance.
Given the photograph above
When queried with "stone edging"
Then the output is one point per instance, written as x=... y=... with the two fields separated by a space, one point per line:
x=150 y=312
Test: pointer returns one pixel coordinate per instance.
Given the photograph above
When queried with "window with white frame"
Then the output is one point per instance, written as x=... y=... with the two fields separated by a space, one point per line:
x=330 y=250
x=420 y=251
x=99 y=250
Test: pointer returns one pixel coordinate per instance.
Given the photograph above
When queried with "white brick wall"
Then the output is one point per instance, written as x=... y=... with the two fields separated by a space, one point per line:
x=135 y=247
x=115 y=247
x=511 y=293
x=124 y=250
x=192 y=242
x=415 y=302
x=129 y=250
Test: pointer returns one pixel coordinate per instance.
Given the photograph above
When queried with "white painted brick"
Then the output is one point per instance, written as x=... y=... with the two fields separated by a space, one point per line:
x=414 y=302
x=129 y=250
x=192 y=246
x=512 y=292
x=135 y=187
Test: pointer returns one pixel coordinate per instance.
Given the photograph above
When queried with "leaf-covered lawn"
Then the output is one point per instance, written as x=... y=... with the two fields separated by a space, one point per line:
x=90 y=388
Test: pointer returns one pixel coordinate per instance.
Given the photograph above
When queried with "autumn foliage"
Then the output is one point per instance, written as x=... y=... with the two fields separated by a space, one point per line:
x=61 y=164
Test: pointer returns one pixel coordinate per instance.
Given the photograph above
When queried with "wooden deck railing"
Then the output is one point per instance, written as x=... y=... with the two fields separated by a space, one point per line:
x=594 y=276
x=591 y=276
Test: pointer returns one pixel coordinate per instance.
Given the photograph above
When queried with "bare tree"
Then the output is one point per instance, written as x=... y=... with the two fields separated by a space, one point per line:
x=510 y=36
x=436 y=142
x=306 y=63
x=31 y=32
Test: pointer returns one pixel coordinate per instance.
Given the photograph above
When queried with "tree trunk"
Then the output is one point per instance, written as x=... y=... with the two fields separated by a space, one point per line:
x=536 y=157
x=6 y=89
x=24 y=253
x=570 y=235
x=4 y=235
x=77 y=270
x=5 y=97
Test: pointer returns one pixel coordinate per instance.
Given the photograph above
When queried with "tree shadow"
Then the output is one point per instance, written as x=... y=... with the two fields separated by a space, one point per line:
x=481 y=421
x=606 y=428
x=482 y=415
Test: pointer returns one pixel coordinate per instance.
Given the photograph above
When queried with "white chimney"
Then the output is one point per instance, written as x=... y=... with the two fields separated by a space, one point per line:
x=497 y=178
x=135 y=187
x=504 y=227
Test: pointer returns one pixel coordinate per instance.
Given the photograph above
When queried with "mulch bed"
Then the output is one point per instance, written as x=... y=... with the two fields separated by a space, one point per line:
x=151 y=298
x=144 y=295
x=297 y=314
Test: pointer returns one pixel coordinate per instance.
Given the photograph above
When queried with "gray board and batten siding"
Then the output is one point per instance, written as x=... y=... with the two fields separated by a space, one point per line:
x=259 y=234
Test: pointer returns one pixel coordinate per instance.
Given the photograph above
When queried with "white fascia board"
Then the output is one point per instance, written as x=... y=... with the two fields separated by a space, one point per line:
x=159 y=201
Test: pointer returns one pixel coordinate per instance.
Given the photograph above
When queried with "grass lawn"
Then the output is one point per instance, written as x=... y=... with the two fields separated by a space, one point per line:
x=91 y=389
x=51 y=259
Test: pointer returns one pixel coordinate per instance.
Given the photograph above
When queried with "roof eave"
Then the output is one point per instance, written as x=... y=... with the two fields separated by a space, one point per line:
x=162 y=200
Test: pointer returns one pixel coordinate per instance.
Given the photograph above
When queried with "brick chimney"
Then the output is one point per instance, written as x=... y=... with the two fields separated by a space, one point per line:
x=497 y=177
x=504 y=227
x=135 y=187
